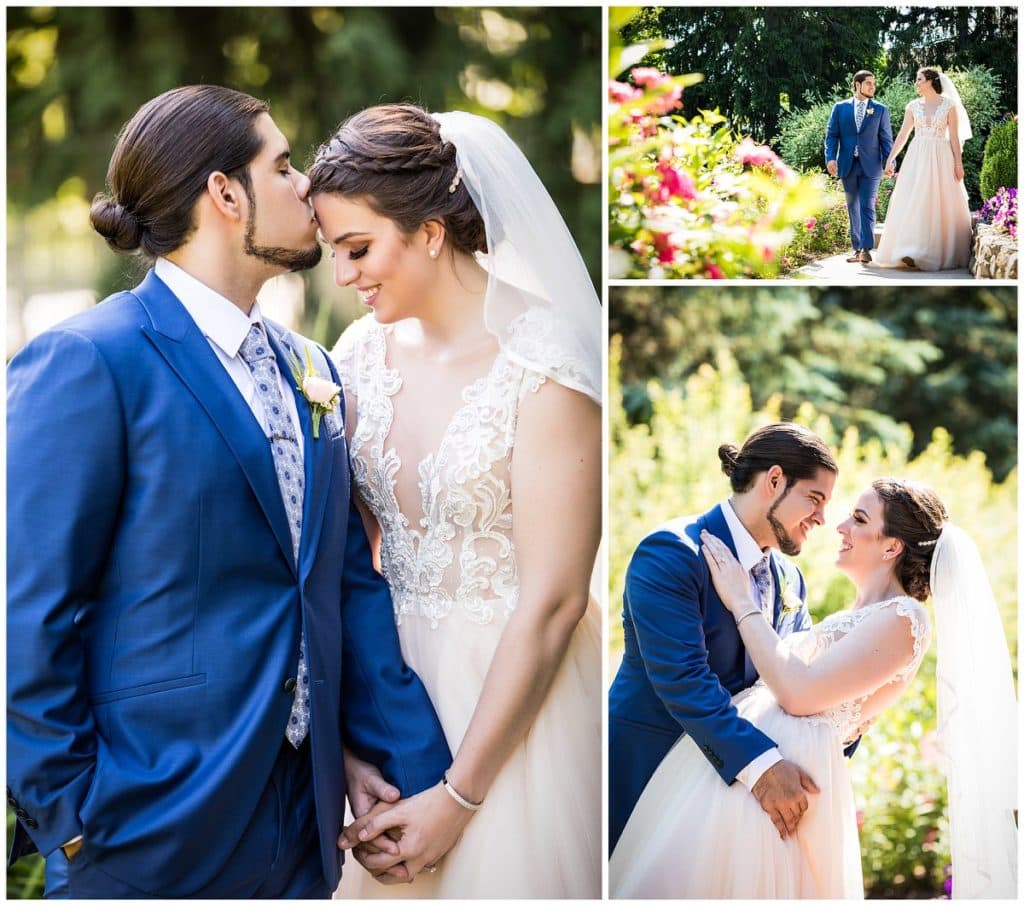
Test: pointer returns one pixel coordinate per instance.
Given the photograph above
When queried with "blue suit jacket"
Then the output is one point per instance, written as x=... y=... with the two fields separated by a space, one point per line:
x=683 y=661
x=154 y=606
x=873 y=142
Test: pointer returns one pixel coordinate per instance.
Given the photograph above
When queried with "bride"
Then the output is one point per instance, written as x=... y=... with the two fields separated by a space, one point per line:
x=472 y=392
x=928 y=224
x=692 y=836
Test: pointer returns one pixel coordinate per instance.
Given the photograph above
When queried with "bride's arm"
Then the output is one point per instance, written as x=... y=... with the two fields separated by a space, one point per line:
x=866 y=658
x=556 y=501
x=954 y=143
x=901 y=139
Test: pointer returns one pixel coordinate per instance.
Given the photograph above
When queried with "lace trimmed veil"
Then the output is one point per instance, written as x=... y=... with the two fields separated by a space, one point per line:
x=534 y=267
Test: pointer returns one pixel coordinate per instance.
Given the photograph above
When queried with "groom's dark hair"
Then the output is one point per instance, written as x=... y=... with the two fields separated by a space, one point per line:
x=861 y=74
x=797 y=450
x=163 y=158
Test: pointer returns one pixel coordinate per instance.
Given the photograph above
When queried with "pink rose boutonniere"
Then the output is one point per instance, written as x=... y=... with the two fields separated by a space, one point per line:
x=790 y=602
x=870 y=111
x=321 y=394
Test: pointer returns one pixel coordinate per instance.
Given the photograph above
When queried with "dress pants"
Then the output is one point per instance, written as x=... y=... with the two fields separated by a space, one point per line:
x=278 y=857
x=861 y=194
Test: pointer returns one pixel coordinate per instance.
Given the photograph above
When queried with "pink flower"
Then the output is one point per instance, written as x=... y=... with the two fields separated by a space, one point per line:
x=664 y=104
x=749 y=152
x=714 y=271
x=666 y=251
x=674 y=182
x=811 y=224
x=320 y=391
x=649 y=77
x=621 y=93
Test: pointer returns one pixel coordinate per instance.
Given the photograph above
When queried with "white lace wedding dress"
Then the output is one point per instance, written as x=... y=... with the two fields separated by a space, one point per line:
x=929 y=216
x=451 y=568
x=691 y=836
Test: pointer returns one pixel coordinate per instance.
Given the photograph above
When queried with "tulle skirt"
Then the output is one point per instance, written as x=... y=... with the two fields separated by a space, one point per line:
x=538 y=834
x=929 y=217
x=692 y=836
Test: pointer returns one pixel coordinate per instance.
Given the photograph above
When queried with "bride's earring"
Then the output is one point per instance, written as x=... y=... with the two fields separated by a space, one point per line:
x=432 y=253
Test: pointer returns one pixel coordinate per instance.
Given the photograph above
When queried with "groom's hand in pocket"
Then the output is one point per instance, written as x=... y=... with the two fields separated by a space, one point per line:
x=782 y=792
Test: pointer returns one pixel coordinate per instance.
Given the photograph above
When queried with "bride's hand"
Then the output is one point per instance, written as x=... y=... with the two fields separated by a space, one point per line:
x=381 y=857
x=429 y=824
x=958 y=172
x=732 y=582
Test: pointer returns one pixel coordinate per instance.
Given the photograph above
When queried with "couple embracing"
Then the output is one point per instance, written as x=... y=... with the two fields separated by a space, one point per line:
x=732 y=715
x=247 y=581
x=928 y=222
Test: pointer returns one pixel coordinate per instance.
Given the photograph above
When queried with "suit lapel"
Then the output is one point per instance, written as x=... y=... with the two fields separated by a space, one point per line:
x=777 y=582
x=317 y=453
x=187 y=352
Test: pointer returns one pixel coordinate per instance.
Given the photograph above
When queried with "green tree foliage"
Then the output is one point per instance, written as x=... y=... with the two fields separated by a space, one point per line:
x=667 y=466
x=999 y=169
x=76 y=74
x=878 y=362
x=759 y=60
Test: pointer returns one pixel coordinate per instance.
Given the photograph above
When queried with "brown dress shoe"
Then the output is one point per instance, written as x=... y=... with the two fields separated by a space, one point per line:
x=909 y=262
x=865 y=256
x=855 y=257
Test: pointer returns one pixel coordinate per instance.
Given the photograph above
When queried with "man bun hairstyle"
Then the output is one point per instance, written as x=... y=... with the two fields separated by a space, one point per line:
x=914 y=514
x=797 y=450
x=393 y=156
x=933 y=76
x=163 y=157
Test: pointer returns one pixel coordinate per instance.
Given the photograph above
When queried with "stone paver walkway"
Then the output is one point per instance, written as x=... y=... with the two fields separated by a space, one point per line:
x=838 y=270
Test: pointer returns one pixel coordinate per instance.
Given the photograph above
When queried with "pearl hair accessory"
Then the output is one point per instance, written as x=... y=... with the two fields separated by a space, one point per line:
x=456 y=179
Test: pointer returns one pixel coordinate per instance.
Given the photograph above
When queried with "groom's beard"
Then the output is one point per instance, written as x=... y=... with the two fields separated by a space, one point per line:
x=290 y=259
x=786 y=544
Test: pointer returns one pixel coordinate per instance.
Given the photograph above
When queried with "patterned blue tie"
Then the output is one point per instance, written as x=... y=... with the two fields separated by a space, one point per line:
x=861 y=105
x=258 y=355
x=763 y=581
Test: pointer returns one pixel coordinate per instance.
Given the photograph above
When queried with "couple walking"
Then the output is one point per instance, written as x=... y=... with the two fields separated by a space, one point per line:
x=928 y=223
x=203 y=660
x=732 y=716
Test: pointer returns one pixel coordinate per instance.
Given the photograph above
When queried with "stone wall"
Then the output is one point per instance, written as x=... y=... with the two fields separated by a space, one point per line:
x=993 y=253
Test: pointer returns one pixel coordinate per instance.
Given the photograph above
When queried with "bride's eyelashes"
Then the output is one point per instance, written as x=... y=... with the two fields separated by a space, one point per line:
x=358 y=253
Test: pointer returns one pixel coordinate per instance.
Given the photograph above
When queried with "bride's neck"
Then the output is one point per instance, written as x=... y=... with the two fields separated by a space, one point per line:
x=452 y=316
x=880 y=585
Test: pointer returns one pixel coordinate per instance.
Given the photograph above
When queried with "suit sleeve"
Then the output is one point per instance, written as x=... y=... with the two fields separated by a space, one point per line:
x=885 y=135
x=663 y=586
x=832 y=136
x=387 y=717
x=65 y=473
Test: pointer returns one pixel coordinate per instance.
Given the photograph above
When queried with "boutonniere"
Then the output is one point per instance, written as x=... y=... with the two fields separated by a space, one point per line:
x=320 y=393
x=870 y=111
x=790 y=602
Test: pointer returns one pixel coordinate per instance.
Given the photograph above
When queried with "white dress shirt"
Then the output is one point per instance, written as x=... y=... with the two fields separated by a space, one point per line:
x=749 y=553
x=225 y=327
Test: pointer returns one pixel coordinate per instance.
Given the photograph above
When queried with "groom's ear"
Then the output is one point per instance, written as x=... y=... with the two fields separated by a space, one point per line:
x=225 y=195
x=774 y=480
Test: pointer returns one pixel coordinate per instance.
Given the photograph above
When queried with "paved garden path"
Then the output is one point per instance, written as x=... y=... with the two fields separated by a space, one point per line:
x=838 y=270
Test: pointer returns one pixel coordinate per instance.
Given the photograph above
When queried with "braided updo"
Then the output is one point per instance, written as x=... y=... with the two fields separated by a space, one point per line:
x=393 y=156
x=914 y=514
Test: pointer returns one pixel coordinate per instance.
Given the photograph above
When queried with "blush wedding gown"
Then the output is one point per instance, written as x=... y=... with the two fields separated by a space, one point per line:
x=692 y=836
x=929 y=216
x=450 y=563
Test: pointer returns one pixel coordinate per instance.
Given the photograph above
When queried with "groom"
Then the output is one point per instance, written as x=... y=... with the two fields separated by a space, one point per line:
x=194 y=626
x=857 y=144
x=684 y=658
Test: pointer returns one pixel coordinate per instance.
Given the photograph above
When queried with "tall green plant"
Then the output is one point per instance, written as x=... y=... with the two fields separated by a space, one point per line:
x=999 y=170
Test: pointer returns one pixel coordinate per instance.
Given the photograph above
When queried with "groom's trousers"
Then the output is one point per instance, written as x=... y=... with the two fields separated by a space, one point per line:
x=861 y=194
x=278 y=857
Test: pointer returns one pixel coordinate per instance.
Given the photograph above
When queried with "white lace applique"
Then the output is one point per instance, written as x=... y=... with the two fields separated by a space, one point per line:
x=933 y=127
x=847 y=717
x=462 y=552
x=530 y=341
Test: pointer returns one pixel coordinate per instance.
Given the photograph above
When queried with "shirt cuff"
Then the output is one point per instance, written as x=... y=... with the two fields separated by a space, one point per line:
x=753 y=771
x=79 y=837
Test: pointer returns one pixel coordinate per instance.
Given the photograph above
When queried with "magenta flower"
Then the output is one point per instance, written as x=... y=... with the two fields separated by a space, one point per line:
x=714 y=271
x=649 y=77
x=666 y=251
x=811 y=224
x=675 y=182
x=621 y=93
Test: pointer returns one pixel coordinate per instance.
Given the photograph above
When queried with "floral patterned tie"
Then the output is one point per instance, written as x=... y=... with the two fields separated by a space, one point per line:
x=763 y=580
x=861 y=105
x=258 y=355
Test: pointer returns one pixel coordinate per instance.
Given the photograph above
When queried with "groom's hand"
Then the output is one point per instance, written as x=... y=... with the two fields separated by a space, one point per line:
x=782 y=792
x=832 y=167
x=366 y=786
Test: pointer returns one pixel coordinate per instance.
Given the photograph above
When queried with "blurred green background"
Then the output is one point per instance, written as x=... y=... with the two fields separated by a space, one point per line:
x=918 y=383
x=75 y=75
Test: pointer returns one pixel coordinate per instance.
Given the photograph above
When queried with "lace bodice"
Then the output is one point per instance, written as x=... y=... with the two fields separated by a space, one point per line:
x=931 y=127
x=850 y=717
x=458 y=552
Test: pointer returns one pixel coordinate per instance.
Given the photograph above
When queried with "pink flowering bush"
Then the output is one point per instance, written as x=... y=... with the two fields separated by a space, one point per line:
x=688 y=198
x=818 y=237
x=1001 y=211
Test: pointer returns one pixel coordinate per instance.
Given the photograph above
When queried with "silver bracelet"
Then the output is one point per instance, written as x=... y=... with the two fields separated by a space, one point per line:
x=454 y=793
x=742 y=617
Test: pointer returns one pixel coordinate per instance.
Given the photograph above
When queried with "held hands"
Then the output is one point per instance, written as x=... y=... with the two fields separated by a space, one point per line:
x=426 y=825
x=732 y=581
x=782 y=792
x=890 y=168
x=367 y=791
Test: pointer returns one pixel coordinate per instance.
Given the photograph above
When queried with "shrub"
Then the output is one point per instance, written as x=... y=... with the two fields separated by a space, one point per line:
x=999 y=169
x=688 y=198
x=820 y=236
